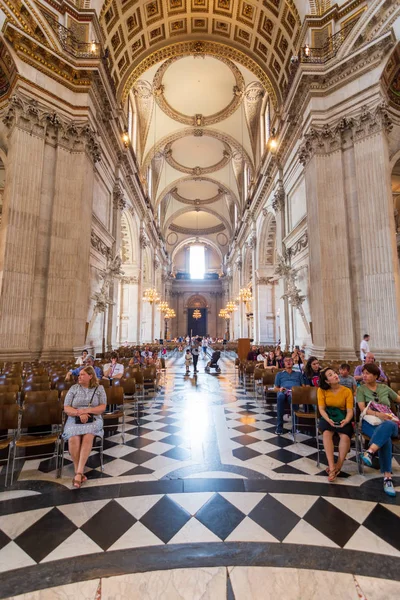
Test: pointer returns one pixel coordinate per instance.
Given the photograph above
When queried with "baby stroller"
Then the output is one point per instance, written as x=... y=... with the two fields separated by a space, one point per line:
x=213 y=363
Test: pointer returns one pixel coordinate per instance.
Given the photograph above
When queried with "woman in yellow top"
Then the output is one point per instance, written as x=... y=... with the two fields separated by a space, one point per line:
x=335 y=403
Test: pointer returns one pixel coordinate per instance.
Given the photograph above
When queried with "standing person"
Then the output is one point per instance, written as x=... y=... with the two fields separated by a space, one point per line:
x=312 y=371
x=204 y=347
x=335 y=403
x=188 y=360
x=284 y=381
x=195 y=354
x=364 y=347
x=378 y=422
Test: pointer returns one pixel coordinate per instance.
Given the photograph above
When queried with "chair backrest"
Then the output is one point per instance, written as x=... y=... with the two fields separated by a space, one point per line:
x=35 y=387
x=41 y=396
x=36 y=414
x=8 y=397
x=37 y=379
x=149 y=373
x=4 y=389
x=115 y=395
x=162 y=359
x=268 y=378
x=138 y=378
x=258 y=373
x=11 y=381
x=304 y=395
x=105 y=383
x=9 y=416
x=395 y=385
x=128 y=385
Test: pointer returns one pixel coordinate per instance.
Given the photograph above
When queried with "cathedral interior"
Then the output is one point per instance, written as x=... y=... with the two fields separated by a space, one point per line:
x=175 y=169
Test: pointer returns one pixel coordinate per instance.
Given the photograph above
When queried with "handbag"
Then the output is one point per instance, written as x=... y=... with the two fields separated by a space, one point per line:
x=371 y=419
x=335 y=413
x=90 y=417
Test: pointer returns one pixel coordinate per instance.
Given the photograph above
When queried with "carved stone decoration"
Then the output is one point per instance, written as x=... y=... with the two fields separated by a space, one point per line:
x=36 y=119
x=175 y=194
x=239 y=263
x=252 y=98
x=118 y=197
x=157 y=167
x=278 y=202
x=300 y=245
x=292 y=292
x=369 y=121
x=197 y=120
x=156 y=264
x=99 y=245
x=130 y=280
x=168 y=155
x=143 y=92
x=189 y=231
x=265 y=280
x=143 y=240
x=251 y=242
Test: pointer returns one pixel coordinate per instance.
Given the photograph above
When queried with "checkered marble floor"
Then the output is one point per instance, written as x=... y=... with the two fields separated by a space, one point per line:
x=201 y=477
x=75 y=529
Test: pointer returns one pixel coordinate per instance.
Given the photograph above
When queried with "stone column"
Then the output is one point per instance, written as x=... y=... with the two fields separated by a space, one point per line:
x=254 y=305
x=119 y=205
x=129 y=299
x=330 y=274
x=377 y=237
x=19 y=233
x=278 y=204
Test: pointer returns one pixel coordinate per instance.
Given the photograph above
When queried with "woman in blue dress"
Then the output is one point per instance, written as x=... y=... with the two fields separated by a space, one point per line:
x=84 y=404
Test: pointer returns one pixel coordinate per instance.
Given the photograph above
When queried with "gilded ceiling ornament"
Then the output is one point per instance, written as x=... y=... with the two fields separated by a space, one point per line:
x=172 y=187
x=175 y=194
x=168 y=154
x=198 y=120
x=195 y=231
x=210 y=48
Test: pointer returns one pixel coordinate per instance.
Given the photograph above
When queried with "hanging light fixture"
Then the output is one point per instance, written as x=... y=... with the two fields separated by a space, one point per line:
x=246 y=295
x=196 y=314
x=163 y=306
x=151 y=295
x=231 y=306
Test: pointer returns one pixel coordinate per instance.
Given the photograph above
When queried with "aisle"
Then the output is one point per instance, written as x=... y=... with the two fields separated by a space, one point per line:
x=202 y=483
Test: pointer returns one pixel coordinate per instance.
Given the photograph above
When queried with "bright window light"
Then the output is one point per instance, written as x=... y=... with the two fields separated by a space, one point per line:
x=197 y=262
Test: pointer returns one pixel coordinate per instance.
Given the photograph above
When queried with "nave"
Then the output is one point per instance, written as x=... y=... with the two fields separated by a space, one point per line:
x=202 y=500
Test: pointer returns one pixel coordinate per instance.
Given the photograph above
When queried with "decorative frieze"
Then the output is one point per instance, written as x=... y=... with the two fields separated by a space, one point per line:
x=98 y=244
x=251 y=242
x=130 y=280
x=369 y=121
x=300 y=245
x=27 y=114
x=143 y=240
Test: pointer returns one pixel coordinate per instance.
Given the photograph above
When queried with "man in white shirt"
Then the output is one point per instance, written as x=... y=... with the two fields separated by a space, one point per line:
x=364 y=347
x=146 y=353
x=114 y=369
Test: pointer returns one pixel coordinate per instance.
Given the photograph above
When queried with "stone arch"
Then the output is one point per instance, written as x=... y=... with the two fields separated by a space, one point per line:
x=205 y=209
x=164 y=193
x=267 y=245
x=200 y=241
x=196 y=301
x=129 y=238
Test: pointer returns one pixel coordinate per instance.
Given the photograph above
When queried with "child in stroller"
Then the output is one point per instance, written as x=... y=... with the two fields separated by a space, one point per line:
x=213 y=363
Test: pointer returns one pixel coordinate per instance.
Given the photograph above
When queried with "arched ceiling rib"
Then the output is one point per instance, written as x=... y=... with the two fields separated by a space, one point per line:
x=260 y=34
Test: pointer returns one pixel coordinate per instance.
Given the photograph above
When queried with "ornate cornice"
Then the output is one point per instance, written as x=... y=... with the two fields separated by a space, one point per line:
x=197 y=232
x=369 y=121
x=27 y=114
x=198 y=120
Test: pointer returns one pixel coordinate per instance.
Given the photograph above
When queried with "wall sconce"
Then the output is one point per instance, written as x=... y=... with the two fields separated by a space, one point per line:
x=93 y=47
x=272 y=141
x=307 y=50
x=125 y=138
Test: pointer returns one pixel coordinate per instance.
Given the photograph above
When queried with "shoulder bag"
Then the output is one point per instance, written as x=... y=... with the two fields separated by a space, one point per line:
x=90 y=417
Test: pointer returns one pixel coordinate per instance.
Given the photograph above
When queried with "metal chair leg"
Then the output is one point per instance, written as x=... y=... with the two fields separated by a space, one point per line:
x=317 y=438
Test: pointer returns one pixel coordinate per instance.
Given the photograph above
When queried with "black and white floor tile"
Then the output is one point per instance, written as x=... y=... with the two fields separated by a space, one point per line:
x=202 y=482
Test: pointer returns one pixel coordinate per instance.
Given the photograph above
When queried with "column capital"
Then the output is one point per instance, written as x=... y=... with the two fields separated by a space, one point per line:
x=278 y=202
x=369 y=120
x=38 y=119
x=118 y=197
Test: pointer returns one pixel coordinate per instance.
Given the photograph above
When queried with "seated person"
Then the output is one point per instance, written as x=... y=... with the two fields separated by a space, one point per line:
x=84 y=404
x=216 y=355
x=252 y=355
x=261 y=356
x=114 y=369
x=146 y=352
x=336 y=405
x=346 y=379
x=378 y=422
x=312 y=371
x=279 y=358
x=284 y=381
x=369 y=360
x=297 y=364
x=81 y=359
x=89 y=362
x=136 y=359
x=270 y=360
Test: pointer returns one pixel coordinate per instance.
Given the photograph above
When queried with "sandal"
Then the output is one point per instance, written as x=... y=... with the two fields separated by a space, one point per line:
x=76 y=483
x=332 y=475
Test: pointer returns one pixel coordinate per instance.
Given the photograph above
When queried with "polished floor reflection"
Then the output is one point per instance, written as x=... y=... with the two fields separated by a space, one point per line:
x=201 y=483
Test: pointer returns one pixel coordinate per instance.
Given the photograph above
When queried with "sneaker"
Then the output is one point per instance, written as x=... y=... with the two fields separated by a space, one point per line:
x=279 y=431
x=367 y=458
x=287 y=418
x=388 y=487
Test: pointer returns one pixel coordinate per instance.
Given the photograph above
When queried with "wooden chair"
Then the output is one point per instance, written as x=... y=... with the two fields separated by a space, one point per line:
x=11 y=381
x=306 y=396
x=269 y=382
x=5 y=389
x=39 y=414
x=115 y=404
x=9 y=414
x=8 y=398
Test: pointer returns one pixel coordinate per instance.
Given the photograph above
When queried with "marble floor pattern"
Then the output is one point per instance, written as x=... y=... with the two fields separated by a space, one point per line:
x=202 y=500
